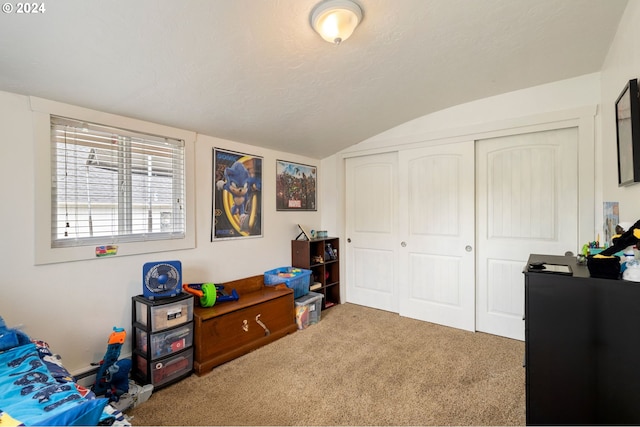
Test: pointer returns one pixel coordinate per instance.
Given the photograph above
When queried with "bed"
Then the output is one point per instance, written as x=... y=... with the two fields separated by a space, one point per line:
x=36 y=389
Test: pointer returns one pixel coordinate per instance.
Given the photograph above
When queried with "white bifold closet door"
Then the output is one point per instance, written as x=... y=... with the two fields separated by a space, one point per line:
x=527 y=202
x=410 y=228
x=437 y=254
x=372 y=231
x=442 y=233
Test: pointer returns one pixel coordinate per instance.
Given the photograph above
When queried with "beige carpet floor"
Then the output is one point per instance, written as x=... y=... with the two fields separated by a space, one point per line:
x=357 y=366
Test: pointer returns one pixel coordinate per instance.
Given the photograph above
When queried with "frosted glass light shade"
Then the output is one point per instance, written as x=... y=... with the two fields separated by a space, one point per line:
x=335 y=20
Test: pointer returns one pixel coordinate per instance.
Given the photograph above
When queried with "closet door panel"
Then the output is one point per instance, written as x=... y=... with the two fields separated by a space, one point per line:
x=371 y=218
x=437 y=234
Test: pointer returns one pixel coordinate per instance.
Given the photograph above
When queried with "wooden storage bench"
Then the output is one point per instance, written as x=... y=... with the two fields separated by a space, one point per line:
x=230 y=329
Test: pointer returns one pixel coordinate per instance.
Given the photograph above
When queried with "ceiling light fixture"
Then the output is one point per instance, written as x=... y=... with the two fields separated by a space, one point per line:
x=335 y=20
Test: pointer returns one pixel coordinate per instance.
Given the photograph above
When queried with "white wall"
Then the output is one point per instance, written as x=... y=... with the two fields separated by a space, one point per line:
x=621 y=65
x=491 y=113
x=74 y=306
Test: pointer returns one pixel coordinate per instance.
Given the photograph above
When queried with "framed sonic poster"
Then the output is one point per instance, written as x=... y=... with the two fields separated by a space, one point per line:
x=237 y=195
x=295 y=186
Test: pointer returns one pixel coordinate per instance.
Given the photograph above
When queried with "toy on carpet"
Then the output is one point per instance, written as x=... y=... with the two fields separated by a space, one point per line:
x=210 y=293
x=112 y=379
x=118 y=379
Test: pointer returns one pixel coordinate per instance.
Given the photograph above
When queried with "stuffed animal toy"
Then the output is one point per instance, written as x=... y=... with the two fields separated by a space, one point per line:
x=623 y=241
x=605 y=264
x=118 y=379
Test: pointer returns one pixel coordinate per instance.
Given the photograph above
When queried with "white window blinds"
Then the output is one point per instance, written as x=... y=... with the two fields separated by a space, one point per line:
x=113 y=185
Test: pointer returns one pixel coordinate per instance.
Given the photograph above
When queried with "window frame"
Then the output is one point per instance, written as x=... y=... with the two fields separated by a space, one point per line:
x=44 y=252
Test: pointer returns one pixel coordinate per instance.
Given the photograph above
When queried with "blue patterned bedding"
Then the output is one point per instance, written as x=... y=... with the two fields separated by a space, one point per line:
x=32 y=396
x=110 y=416
x=36 y=389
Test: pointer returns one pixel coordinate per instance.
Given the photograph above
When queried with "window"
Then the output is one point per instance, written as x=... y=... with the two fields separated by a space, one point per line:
x=125 y=186
x=111 y=185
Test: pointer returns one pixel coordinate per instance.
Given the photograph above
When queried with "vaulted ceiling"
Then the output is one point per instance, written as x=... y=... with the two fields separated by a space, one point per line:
x=254 y=71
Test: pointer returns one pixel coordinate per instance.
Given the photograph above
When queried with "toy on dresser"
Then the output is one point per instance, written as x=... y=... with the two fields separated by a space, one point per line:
x=606 y=264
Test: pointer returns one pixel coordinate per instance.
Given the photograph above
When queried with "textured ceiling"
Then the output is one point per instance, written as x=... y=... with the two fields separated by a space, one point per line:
x=254 y=71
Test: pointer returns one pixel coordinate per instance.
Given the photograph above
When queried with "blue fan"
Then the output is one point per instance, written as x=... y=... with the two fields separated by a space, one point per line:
x=162 y=279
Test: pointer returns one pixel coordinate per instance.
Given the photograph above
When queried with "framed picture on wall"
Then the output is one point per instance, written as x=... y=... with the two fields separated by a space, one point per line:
x=296 y=186
x=611 y=216
x=237 y=195
x=628 y=134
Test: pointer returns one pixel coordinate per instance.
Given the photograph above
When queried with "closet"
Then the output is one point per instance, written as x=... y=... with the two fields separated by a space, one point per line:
x=440 y=231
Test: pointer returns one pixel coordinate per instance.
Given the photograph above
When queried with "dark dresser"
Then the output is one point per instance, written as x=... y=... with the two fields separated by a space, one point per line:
x=582 y=347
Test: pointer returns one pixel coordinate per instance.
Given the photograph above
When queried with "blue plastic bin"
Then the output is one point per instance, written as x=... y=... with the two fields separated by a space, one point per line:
x=295 y=278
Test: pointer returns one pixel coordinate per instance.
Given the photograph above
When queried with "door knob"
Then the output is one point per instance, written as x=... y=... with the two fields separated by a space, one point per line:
x=348 y=240
x=403 y=244
x=468 y=248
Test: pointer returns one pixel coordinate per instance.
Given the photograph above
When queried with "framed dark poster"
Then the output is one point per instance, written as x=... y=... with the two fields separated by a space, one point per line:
x=296 y=186
x=628 y=134
x=237 y=195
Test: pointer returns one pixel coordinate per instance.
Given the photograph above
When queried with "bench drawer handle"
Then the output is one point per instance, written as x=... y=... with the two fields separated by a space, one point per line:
x=267 y=332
